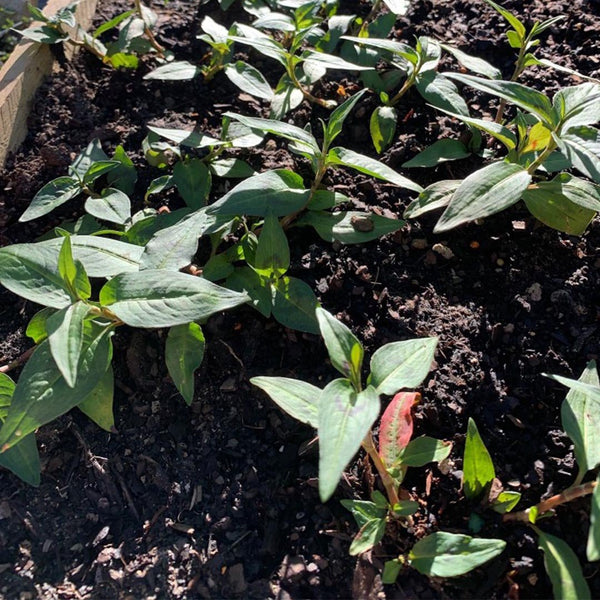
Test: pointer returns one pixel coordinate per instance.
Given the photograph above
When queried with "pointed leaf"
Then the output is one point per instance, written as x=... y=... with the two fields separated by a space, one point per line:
x=581 y=145
x=345 y=351
x=402 y=364
x=273 y=252
x=527 y=98
x=184 y=352
x=396 y=427
x=249 y=79
x=193 y=181
x=563 y=568
x=183 y=137
x=247 y=280
x=580 y=414
x=53 y=194
x=441 y=92
x=383 y=127
x=37 y=328
x=370 y=534
x=65 y=336
x=424 y=450
x=42 y=394
x=112 y=206
x=439 y=152
x=437 y=195
x=505 y=502
x=158 y=298
x=180 y=70
x=297 y=398
x=279 y=192
x=98 y=404
x=345 y=418
x=483 y=193
x=294 y=305
x=339 y=115
x=369 y=166
x=478 y=468
x=578 y=105
x=444 y=554
x=473 y=63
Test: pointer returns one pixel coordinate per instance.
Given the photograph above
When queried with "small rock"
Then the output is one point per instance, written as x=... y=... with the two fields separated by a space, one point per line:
x=534 y=292
x=293 y=568
x=443 y=250
x=229 y=385
x=419 y=244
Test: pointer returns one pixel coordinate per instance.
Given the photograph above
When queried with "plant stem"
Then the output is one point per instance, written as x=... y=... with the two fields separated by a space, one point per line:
x=18 y=361
x=571 y=493
x=148 y=31
x=388 y=483
x=405 y=87
x=542 y=157
x=307 y=95
x=519 y=68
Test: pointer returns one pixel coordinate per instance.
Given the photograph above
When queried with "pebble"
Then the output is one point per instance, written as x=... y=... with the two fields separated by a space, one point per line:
x=443 y=250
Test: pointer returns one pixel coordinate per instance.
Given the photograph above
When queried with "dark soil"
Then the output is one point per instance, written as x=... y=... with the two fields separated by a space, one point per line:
x=220 y=499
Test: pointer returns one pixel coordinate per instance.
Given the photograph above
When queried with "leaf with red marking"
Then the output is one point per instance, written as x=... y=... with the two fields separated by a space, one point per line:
x=396 y=427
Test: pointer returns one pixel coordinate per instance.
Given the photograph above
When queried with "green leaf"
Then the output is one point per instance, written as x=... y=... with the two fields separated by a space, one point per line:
x=66 y=264
x=112 y=206
x=98 y=404
x=330 y=61
x=510 y=18
x=36 y=328
x=247 y=280
x=184 y=352
x=566 y=203
x=297 y=398
x=527 y=98
x=98 y=169
x=180 y=70
x=391 y=570
x=231 y=167
x=249 y=79
x=193 y=182
x=364 y=511
x=483 y=193
x=338 y=116
x=273 y=252
x=183 y=137
x=437 y=195
x=424 y=450
x=345 y=418
x=92 y=153
x=578 y=105
x=349 y=227
x=325 y=199
x=124 y=176
x=174 y=247
x=593 y=542
x=581 y=145
x=473 y=63
x=402 y=365
x=279 y=192
x=345 y=351
x=42 y=393
x=65 y=336
x=563 y=568
x=505 y=502
x=45 y=34
x=32 y=273
x=405 y=508
x=441 y=92
x=444 y=554
x=478 y=468
x=23 y=459
x=369 y=166
x=280 y=128
x=108 y=25
x=383 y=127
x=158 y=298
x=580 y=415
x=370 y=534
x=439 y=152
x=218 y=267
x=294 y=304
x=496 y=130
x=53 y=194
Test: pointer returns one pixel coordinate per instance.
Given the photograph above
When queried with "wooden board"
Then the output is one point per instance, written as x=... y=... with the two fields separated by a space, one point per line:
x=23 y=73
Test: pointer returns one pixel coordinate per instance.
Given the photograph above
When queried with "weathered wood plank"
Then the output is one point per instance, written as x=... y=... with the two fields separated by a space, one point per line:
x=23 y=73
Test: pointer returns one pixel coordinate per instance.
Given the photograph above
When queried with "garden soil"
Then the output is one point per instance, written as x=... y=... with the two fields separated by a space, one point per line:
x=219 y=499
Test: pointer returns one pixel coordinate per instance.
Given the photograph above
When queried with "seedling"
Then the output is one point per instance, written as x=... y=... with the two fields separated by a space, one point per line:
x=344 y=413
x=545 y=137
x=135 y=34
x=581 y=420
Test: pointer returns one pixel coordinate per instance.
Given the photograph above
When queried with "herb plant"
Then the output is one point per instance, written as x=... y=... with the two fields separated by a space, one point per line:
x=344 y=413
x=580 y=419
x=135 y=34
